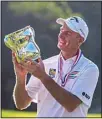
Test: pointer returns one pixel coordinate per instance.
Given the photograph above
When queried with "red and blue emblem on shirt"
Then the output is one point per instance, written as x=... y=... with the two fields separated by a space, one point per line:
x=73 y=74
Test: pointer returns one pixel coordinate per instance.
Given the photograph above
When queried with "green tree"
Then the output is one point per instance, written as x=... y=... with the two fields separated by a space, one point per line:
x=46 y=11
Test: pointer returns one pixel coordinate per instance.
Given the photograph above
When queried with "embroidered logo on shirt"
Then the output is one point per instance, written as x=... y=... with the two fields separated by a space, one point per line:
x=52 y=72
x=73 y=74
x=85 y=95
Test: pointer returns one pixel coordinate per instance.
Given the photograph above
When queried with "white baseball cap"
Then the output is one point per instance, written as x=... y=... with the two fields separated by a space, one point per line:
x=76 y=24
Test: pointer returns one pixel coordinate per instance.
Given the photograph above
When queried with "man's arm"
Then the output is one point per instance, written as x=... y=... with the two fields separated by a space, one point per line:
x=20 y=95
x=65 y=98
x=70 y=100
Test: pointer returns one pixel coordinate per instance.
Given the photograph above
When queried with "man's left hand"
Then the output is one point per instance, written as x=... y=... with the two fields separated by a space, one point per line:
x=36 y=69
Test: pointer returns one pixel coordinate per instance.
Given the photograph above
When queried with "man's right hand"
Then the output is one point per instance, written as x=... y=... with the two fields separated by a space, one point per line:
x=20 y=72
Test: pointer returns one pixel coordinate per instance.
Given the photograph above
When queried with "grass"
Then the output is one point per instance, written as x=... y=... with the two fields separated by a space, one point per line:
x=12 y=113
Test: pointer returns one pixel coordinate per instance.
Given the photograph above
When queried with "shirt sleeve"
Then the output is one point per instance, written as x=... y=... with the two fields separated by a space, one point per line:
x=85 y=85
x=33 y=87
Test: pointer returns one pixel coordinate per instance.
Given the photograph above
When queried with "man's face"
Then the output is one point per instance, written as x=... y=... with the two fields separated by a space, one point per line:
x=68 y=39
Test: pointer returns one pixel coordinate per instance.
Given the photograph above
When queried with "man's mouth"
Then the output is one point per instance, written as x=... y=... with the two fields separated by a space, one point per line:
x=61 y=41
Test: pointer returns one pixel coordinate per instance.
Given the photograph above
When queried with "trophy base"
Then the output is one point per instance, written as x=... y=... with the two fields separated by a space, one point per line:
x=19 y=59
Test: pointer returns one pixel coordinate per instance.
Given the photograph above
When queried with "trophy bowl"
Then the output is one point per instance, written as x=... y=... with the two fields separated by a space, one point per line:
x=22 y=42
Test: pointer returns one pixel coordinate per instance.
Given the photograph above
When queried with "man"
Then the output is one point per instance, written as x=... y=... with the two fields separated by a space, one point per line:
x=63 y=85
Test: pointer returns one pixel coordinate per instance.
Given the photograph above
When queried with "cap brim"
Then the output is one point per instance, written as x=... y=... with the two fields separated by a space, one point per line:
x=60 y=21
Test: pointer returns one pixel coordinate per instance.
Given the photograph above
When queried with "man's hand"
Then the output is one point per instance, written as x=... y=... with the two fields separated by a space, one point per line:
x=36 y=69
x=20 y=72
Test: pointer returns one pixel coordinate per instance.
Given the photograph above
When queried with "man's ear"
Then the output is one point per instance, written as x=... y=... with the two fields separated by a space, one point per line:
x=80 y=40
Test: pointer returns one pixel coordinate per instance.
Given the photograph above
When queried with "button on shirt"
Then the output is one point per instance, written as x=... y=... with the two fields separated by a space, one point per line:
x=81 y=83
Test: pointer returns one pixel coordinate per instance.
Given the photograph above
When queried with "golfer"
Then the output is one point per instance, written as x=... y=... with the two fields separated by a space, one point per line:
x=62 y=85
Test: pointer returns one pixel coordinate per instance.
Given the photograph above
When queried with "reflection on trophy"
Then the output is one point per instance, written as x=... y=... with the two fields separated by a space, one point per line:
x=22 y=42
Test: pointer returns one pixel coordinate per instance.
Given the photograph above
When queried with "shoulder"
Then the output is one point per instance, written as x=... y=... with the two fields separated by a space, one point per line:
x=51 y=60
x=90 y=65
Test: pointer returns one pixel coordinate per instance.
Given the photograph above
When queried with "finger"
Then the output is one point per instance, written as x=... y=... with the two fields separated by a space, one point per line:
x=40 y=62
x=28 y=66
x=13 y=58
x=24 y=67
x=31 y=61
x=13 y=54
x=15 y=62
x=25 y=63
x=40 y=59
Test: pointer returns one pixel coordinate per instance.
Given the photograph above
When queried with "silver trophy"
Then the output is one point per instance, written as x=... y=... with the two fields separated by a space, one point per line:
x=22 y=42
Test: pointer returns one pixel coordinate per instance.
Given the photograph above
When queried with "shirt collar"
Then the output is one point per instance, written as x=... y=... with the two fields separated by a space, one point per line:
x=72 y=59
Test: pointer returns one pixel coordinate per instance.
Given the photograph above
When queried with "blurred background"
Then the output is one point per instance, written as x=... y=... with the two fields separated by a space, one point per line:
x=42 y=17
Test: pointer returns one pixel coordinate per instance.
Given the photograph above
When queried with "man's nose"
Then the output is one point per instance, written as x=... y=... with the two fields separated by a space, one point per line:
x=61 y=29
x=61 y=35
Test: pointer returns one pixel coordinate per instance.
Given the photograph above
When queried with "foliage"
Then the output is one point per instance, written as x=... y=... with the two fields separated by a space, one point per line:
x=45 y=11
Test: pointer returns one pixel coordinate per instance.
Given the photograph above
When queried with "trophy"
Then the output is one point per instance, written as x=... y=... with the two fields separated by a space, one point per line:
x=22 y=42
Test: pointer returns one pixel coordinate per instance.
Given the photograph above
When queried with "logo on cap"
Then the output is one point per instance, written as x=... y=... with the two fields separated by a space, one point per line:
x=75 y=18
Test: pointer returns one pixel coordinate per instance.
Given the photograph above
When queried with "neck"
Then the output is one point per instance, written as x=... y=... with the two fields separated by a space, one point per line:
x=67 y=55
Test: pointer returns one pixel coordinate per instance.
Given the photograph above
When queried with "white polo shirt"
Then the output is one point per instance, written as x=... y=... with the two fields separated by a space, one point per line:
x=82 y=82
